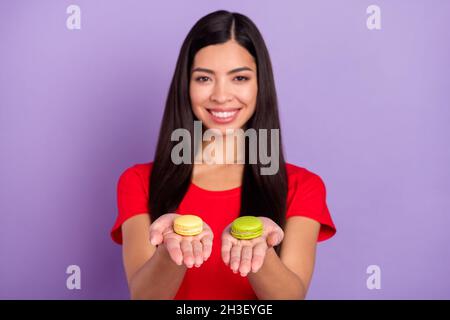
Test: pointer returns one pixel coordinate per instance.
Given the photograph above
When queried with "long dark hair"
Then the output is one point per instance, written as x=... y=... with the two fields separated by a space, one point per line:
x=262 y=195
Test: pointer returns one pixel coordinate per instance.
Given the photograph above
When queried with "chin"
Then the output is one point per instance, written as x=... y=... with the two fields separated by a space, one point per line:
x=222 y=128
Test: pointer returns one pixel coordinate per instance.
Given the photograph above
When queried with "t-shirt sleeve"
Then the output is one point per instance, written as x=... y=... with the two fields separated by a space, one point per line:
x=307 y=197
x=132 y=199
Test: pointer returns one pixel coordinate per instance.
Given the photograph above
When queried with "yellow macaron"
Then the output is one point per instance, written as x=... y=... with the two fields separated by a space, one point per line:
x=188 y=225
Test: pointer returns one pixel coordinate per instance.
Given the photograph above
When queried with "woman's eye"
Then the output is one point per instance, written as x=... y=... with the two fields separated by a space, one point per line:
x=202 y=79
x=241 y=78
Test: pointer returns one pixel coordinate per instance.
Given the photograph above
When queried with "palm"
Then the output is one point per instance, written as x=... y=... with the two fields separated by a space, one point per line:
x=189 y=250
x=248 y=255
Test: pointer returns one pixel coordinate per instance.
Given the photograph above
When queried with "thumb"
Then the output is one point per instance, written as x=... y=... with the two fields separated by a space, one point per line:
x=158 y=226
x=156 y=237
x=272 y=239
x=156 y=234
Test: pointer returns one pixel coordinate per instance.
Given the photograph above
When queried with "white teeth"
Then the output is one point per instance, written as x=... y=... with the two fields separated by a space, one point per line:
x=223 y=114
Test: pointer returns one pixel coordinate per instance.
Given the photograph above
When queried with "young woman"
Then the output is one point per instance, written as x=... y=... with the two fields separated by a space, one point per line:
x=224 y=79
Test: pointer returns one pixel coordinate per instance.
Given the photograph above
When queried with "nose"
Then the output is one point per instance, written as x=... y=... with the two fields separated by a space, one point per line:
x=221 y=93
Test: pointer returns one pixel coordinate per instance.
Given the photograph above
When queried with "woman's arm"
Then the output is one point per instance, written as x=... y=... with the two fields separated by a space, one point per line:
x=288 y=276
x=151 y=273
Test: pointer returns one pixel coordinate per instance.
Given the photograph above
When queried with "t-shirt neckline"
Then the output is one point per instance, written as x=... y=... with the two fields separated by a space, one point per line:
x=226 y=192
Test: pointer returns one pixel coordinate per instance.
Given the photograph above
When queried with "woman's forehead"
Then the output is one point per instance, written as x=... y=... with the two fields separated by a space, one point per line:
x=224 y=57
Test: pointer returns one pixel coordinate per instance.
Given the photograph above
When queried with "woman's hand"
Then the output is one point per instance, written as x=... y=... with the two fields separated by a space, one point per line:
x=248 y=255
x=190 y=250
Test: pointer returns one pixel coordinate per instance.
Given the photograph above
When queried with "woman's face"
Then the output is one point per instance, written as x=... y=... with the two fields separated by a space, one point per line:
x=223 y=86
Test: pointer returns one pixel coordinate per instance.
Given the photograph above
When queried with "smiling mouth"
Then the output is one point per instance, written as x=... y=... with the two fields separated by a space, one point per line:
x=223 y=116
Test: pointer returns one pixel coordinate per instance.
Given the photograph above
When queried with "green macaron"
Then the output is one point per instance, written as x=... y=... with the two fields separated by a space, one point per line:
x=246 y=227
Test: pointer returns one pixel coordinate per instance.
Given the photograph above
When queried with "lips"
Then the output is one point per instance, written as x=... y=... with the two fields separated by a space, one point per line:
x=223 y=115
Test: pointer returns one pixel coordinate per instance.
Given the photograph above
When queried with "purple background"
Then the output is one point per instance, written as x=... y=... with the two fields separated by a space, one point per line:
x=367 y=110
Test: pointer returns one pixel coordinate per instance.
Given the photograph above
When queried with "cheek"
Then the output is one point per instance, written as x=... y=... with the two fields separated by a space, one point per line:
x=248 y=96
x=198 y=95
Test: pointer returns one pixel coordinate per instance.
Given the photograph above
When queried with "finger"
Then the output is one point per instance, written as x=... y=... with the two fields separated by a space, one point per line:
x=259 y=253
x=235 y=257
x=207 y=247
x=198 y=252
x=246 y=260
x=188 y=255
x=226 y=250
x=173 y=247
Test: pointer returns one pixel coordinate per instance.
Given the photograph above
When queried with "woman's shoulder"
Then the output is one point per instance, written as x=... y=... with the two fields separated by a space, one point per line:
x=298 y=174
x=295 y=170
x=141 y=169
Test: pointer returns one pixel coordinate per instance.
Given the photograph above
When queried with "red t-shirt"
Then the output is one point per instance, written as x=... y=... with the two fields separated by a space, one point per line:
x=214 y=280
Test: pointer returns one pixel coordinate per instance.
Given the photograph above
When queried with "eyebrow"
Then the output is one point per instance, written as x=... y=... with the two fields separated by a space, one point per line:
x=229 y=72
